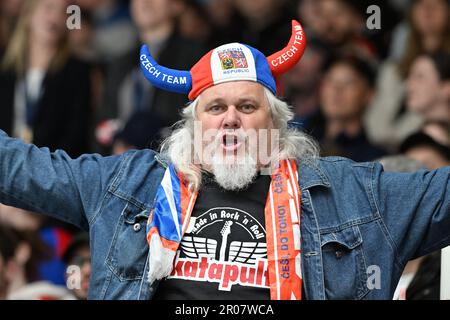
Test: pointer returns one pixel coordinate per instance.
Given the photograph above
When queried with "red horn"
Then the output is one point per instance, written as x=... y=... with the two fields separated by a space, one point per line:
x=283 y=60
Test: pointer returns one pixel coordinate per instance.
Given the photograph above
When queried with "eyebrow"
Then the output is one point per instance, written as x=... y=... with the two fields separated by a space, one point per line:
x=239 y=101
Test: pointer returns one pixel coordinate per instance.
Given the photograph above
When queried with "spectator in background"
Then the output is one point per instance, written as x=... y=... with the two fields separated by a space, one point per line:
x=8 y=243
x=49 y=233
x=390 y=15
x=388 y=122
x=428 y=87
x=83 y=46
x=310 y=14
x=422 y=276
x=19 y=254
x=425 y=149
x=346 y=91
x=342 y=27
x=81 y=40
x=9 y=11
x=45 y=91
x=224 y=20
x=266 y=24
x=142 y=131
x=126 y=89
x=301 y=84
x=429 y=31
x=194 y=22
x=78 y=254
x=113 y=33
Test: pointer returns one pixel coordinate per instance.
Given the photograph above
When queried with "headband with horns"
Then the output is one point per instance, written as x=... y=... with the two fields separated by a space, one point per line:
x=229 y=62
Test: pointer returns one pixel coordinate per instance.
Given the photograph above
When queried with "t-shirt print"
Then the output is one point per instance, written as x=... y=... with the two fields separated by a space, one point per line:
x=223 y=254
x=224 y=245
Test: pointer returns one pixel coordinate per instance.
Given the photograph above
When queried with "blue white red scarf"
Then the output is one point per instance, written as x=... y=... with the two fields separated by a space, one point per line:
x=170 y=218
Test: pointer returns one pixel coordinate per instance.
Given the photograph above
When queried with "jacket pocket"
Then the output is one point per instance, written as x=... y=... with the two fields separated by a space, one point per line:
x=344 y=267
x=129 y=249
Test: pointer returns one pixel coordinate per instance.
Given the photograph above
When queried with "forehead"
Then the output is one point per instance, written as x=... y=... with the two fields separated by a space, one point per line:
x=233 y=91
x=346 y=71
x=342 y=68
x=424 y=64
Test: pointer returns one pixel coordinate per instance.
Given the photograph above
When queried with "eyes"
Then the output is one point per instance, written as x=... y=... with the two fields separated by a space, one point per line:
x=248 y=108
x=220 y=108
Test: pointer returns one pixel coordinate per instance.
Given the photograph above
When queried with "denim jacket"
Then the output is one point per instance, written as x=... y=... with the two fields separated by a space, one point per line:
x=359 y=225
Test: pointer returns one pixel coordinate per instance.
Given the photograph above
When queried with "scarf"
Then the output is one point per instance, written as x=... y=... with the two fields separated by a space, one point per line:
x=169 y=219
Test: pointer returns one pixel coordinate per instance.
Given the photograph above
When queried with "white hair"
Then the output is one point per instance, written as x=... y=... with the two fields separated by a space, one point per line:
x=178 y=148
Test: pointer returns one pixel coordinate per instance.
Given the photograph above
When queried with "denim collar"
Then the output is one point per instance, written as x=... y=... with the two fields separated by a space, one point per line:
x=311 y=174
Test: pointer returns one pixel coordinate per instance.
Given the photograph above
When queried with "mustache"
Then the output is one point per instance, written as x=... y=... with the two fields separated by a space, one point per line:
x=227 y=135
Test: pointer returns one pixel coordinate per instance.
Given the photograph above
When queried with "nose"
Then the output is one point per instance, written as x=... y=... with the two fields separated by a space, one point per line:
x=231 y=119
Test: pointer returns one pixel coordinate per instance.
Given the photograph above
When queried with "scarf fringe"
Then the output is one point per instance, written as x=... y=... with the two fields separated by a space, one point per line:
x=160 y=260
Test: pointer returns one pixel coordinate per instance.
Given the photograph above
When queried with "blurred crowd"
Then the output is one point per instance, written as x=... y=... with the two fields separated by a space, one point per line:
x=363 y=93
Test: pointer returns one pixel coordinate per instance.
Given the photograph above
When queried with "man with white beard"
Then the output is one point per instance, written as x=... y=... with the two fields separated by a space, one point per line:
x=232 y=170
x=237 y=205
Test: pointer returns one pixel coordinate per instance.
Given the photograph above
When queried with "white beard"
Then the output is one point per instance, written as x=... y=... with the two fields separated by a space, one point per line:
x=234 y=175
x=232 y=171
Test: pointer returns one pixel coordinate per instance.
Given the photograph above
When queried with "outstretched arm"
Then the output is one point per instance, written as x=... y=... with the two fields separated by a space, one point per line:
x=67 y=189
x=416 y=210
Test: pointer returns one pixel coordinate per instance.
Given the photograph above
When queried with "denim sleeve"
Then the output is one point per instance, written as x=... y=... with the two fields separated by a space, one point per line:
x=67 y=189
x=415 y=208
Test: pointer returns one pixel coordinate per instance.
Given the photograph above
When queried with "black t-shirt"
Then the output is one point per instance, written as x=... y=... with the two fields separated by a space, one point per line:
x=223 y=254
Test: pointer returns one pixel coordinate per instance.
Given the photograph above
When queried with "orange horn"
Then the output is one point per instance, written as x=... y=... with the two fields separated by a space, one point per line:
x=283 y=60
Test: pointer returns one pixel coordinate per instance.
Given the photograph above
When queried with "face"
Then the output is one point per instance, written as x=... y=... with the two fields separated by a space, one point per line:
x=82 y=259
x=148 y=14
x=339 y=20
x=344 y=93
x=48 y=21
x=432 y=159
x=423 y=85
x=234 y=106
x=236 y=125
x=430 y=16
x=193 y=25
x=310 y=14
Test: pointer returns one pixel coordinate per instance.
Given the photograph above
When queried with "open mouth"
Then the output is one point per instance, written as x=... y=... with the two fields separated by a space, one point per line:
x=230 y=142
